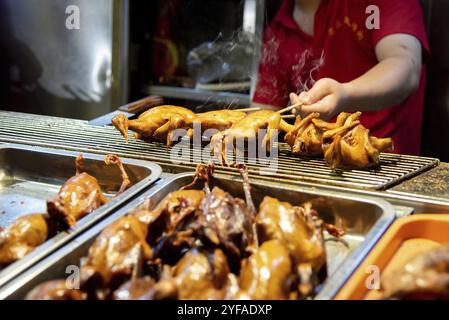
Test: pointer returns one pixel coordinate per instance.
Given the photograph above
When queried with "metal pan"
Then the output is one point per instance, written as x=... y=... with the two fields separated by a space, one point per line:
x=31 y=175
x=366 y=218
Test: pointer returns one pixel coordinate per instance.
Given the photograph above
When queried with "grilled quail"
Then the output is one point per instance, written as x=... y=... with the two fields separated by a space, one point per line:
x=157 y=124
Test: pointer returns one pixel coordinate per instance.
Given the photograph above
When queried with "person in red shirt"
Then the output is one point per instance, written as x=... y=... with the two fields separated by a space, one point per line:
x=349 y=55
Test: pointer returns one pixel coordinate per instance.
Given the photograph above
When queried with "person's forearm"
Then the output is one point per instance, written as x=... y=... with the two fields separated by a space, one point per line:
x=385 y=85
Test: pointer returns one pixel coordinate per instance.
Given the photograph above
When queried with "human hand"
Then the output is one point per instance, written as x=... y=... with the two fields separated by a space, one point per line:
x=326 y=97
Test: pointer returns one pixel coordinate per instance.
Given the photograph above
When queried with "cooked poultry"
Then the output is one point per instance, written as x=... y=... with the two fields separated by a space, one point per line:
x=81 y=194
x=55 y=290
x=305 y=138
x=219 y=120
x=426 y=276
x=266 y=275
x=116 y=253
x=350 y=146
x=201 y=276
x=204 y=244
x=157 y=124
x=22 y=237
x=301 y=233
x=260 y=125
x=147 y=289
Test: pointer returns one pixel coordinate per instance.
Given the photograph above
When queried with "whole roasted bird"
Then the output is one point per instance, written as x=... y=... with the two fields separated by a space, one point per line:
x=219 y=120
x=117 y=252
x=426 y=276
x=81 y=194
x=350 y=146
x=157 y=124
x=257 y=129
x=23 y=236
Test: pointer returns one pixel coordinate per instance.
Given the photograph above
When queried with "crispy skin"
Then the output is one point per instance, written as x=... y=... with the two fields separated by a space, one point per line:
x=21 y=237
x=248 y=130
x=156 y=124
x=218 y=119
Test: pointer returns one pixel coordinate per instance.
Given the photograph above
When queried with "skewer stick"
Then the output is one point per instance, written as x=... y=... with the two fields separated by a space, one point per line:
x=288 y=116
x=297 y=105
x=248 y=109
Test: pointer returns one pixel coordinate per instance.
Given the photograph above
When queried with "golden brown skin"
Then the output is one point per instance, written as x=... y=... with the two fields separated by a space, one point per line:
x=21 y=237
x=201 y=276
x=157 y=124
x=117 y=252
x=305 y=138
x=425 y=276
x=78 y=197
x=81 y=194
x=247 y=130
x=218 y=119
x=266 y=273
x=282 y=221
x=351 y=147
x=55 y=290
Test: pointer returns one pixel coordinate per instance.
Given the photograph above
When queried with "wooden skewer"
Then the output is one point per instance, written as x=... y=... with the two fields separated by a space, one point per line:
x=248 y=109
x=288 y=116
x=297 y=105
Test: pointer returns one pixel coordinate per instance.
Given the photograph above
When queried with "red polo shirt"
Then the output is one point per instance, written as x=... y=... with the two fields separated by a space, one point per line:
x=342 y=48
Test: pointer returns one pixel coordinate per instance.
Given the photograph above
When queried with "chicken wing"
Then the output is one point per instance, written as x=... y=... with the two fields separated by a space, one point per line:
x=157 y=124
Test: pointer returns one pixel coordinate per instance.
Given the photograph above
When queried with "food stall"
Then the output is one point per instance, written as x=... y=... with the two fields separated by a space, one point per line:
x=125 y=206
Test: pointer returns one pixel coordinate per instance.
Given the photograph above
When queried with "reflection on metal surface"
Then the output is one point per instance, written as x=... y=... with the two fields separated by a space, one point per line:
x=54 y=69
x=363 y=230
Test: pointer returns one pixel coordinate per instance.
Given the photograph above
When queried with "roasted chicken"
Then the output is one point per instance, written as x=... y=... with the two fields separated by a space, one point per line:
x=23 y=236
x=81 y=194
x=157 y=124
x=425 y=276
x=305 y=138
x=258 y=128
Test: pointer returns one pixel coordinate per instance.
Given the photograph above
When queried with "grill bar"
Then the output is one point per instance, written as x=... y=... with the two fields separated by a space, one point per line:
x=77 y=135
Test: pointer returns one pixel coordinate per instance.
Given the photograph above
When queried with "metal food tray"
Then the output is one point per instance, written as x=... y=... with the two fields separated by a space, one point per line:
x=366 y=219
x=31 y=175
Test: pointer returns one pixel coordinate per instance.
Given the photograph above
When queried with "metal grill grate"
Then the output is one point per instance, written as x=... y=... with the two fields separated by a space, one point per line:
x=77 y=135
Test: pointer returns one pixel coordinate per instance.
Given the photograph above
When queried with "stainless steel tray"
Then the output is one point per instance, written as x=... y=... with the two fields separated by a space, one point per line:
x=31 y=175
x=366 y=218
